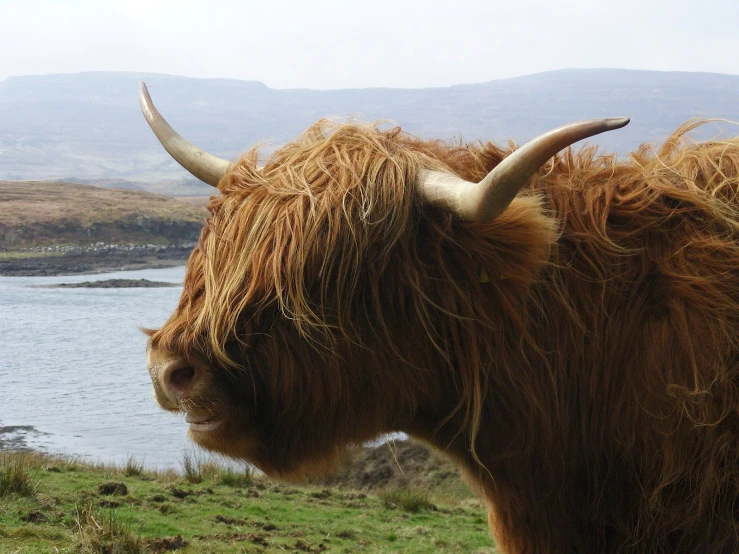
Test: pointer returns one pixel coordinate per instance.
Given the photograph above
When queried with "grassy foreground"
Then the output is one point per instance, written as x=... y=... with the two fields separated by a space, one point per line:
x=52 y=504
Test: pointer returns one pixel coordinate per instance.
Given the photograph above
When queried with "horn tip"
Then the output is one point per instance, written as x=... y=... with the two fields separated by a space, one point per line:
x=143 y=90
x=147 y=106
x=618 y=122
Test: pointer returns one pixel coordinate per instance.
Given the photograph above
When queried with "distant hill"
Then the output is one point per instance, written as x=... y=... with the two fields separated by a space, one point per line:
x=88 y=126
x=35 y=214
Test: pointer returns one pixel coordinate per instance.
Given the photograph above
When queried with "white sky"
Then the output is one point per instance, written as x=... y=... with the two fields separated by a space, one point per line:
x=344 y=44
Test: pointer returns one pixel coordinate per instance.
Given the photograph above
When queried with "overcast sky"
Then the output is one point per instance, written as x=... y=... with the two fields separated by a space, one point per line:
x=344 y=44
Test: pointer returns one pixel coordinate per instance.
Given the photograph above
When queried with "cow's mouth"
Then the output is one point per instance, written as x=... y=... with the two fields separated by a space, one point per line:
x=203 y=423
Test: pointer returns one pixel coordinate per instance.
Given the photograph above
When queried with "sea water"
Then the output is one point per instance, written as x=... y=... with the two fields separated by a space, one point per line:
x=73 y=372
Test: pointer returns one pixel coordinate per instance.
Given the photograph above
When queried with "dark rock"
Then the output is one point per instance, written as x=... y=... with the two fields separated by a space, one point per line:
x=35 y=517
x=166 y=509
x=179 y=493
x=112 y=284
x=167 y=544
x=230 y=520
x=113 y=487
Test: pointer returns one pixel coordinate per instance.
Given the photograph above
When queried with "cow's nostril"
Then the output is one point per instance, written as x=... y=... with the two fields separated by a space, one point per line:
x=179 y=379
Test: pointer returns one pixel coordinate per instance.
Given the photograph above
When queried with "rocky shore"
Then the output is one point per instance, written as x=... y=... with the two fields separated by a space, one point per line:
x=14 y=437
x=112 y=284
x=94 y=258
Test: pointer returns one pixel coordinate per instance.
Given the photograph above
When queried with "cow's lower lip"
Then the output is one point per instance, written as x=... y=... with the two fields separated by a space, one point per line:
x=206 y=426
x=203 y=424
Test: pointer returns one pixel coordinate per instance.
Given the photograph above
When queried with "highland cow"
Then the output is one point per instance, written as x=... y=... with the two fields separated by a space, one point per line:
x=565 y=327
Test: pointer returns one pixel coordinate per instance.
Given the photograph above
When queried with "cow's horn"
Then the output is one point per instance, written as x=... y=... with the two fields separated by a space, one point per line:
x=487 y=199
x=204 y=166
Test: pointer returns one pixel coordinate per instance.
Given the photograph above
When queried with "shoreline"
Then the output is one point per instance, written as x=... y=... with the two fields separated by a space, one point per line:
x=92 y=263
x=15 y=437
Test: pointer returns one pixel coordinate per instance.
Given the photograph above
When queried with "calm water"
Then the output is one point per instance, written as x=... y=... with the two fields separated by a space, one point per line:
x=73 y=366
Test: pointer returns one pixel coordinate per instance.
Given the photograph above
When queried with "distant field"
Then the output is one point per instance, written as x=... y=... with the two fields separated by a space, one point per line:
x=195 y=200
x=38 y=213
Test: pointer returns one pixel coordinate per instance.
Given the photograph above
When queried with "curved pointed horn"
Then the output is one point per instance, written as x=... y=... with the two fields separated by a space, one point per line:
x=204 y=166
x=487 y=199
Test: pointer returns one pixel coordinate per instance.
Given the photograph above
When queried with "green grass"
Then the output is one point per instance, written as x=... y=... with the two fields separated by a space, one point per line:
x=97 y=531
x=133 y=468
x=230 y=477
x=226 y=511
x=197 y=469
x=16 y=477
x=408 y=499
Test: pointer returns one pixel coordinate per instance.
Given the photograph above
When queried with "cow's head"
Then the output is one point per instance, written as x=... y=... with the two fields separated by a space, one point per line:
x=309 y=315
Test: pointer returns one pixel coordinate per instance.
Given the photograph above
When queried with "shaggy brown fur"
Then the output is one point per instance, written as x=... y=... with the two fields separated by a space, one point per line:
x=589 y=388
